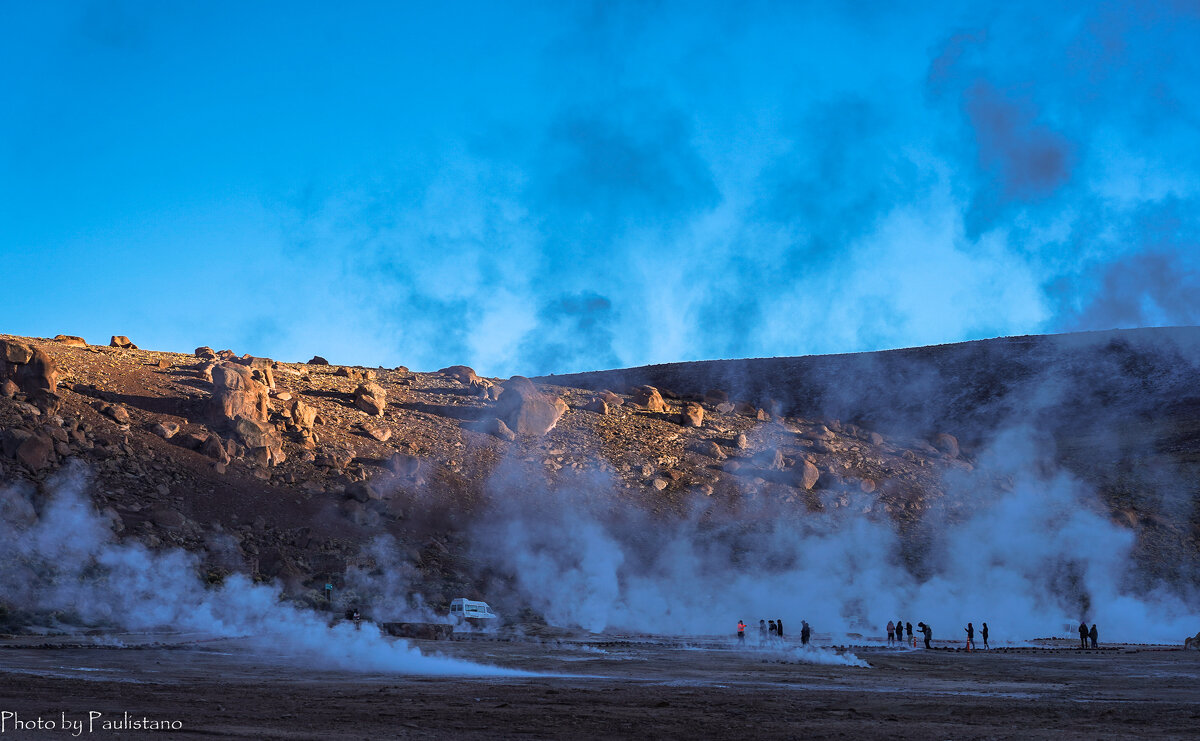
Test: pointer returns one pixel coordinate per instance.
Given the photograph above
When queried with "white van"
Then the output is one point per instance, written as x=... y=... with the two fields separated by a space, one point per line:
x=465 y=609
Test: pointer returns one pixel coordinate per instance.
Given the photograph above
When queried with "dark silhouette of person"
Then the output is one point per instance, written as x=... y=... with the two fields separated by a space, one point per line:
x=900 y=631
x=1094 y=635
x=891 y=629
x=762 y=632
x=970 y=636
x=1083 y=635
x=984 y=634
x=741 y=632
x=779 y=628
x=772 y=629
x=908 y=627
x=805 y=632
x=927 y=632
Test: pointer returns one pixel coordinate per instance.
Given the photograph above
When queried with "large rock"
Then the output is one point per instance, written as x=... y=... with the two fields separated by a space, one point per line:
x=1190 y=643
x=527 y=411
x=648 y=398
x=70 y=340
x=120 y=340
x=16 y=353
x=303 y=416
x=262 y=440
x=261 y=368
x=946 y=443
x=692 y=415
x=807 y=474
x=467 y=377
x=32 y=370
x=204 y=352
x=371 y=398
x=36 y=452
x=237 y=394
x=318 y=360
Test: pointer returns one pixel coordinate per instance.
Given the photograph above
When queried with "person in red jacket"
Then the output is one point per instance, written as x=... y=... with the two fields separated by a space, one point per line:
x=741 y=632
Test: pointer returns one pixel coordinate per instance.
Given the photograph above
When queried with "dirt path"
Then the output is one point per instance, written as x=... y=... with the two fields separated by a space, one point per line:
x=612 y=689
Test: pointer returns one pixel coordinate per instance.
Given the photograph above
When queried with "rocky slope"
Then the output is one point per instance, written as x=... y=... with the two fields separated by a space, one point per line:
x=289 y=471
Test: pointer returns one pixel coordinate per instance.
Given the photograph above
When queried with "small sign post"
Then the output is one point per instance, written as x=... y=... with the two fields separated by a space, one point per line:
x=329 y=593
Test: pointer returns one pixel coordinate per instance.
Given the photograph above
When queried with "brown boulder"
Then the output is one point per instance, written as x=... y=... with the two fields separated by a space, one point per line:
x=371 y=398
x=711 y=449
x=611 y=399
x=116 y=412
x=724 y=407
x=807 y=474
x=597 y=405
x=261 y=440
x=36 y=452
x=17 y=353
x=407 y=467
x=70 y=340
x=261 y=369
x=214 y=448
x=318 y=360
x=526 y=410
x=946 y=443
x=378 y=432
x=359 y=374
x=8 y=389
x=165 y=430
x=692 y=415
x=204 y=352
x=237 y=394
x=461 y=373
x=648 y=398
x=769 y=459
x=120 y=340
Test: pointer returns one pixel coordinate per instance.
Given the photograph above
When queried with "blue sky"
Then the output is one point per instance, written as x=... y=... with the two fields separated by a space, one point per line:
x=551 y=187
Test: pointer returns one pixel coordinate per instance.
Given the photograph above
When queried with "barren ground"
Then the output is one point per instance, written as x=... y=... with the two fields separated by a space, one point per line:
x=614 y=687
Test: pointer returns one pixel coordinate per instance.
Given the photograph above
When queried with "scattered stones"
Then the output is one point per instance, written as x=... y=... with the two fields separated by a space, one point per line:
x=946 y=443
x=120 y=340
x=317 y=360
x=527 y=411
x=237 y=394
x=371 y=398
x=70 y=340
x=692 y=415
x=648 y=398
x=358 y=374
x=336 y=458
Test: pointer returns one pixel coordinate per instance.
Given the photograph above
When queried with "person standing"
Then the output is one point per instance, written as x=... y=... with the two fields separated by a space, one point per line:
x=908 y=627
x=762 y=632
x=741 y=633
x=983 y=633
x=970 y=636
x=1095 y=636
x=779 y=629
x=927 y=632
x=1083 y=635
x=805 y=632
x=772 y=630
x=891 y=628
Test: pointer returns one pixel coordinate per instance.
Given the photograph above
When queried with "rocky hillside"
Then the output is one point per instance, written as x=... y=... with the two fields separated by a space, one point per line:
x=288 y=471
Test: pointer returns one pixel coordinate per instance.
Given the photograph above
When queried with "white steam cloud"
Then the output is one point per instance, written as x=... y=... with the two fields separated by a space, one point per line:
x=1032 y=558
x=66 y=561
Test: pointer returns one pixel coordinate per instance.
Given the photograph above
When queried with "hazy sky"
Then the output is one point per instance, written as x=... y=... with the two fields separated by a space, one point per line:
x=561 y=186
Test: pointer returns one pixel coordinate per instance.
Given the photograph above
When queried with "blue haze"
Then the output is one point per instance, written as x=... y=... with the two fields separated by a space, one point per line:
x=552 y=187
